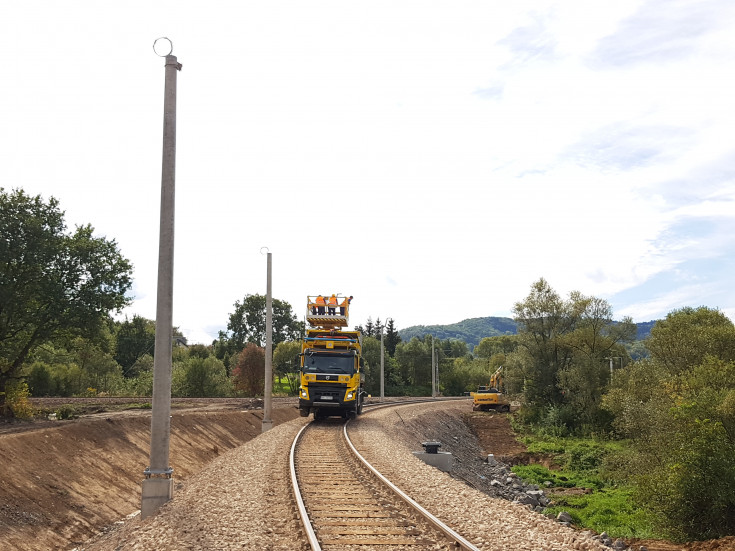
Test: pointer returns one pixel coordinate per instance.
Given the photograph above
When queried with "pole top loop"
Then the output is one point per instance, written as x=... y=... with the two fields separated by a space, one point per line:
x=161 y=49
x=267 y=250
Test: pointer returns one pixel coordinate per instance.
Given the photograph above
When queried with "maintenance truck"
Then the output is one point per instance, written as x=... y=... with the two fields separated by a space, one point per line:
x=330 y=362
x=490 y=396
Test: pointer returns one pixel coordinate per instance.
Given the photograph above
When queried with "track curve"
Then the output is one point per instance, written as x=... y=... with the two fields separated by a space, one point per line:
x=346 y=504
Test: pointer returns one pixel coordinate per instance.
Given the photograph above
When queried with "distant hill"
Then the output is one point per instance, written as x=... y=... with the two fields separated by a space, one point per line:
x=473 y=330
x=644 y=329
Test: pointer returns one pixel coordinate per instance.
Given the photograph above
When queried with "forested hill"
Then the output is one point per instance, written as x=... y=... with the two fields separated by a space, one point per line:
x=473 y=330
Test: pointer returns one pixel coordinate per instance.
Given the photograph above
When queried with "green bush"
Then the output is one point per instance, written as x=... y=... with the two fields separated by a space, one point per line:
x=67 y=412
x=610 y=510
x=17 y=399
x=539 y=474
x=585 y=457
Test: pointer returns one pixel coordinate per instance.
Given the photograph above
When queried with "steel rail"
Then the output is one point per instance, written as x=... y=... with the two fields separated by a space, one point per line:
x=306 y=522
x=446 y=530
x=308 y=528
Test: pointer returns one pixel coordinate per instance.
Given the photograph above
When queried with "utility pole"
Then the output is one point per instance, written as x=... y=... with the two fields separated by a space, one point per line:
x=158 y=486
x=436 y=378
x=433 y=371
x=382 y=366
x=611 y=362
x=268 y=392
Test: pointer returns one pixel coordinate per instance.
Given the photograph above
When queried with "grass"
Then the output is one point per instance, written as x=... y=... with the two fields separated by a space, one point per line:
x=583 y=486
x=610 y=510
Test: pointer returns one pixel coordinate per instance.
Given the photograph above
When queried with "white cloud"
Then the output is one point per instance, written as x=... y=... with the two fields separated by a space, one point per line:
x=405 y=153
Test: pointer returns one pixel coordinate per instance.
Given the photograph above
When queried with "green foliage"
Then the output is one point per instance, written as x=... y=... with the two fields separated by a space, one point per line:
x=562 y=360
x=462 y=375
x=135 y=338
x=142 y=385
x=53 y=284
x=199 y=351
x=201 y=378
x=285 y=366
x=681 y=340
x=610 y=510
x=71 y=370
x=585 y=484
x=414 y=360
x=678 y=409
x=559 y=478
x=17 y=400
x=491 y=346
x=247 y=324
x=67 y=411
x=392 y=338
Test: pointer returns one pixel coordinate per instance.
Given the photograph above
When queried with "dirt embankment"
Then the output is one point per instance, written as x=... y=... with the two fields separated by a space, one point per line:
x=61 y=484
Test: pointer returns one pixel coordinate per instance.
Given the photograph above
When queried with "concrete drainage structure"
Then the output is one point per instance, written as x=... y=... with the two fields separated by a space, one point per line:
x=432 y=456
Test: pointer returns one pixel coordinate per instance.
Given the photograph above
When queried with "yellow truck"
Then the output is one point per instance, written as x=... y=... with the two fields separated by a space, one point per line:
x=330 y=362
x=490 y=397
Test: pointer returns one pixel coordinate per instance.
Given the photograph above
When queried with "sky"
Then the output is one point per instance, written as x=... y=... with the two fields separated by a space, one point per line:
x=433 y=159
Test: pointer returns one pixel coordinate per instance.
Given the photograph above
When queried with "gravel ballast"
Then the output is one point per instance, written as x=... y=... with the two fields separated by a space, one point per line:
x=243 y=499
x=489 y=523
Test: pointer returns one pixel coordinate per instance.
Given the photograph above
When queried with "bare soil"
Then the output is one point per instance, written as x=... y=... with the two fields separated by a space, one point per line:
x=63 y=482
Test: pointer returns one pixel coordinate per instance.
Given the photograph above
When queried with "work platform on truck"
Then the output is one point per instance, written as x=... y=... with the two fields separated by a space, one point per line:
x=319 y=313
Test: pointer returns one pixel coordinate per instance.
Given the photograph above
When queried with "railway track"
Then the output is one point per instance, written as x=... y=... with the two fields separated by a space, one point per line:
x=345 y=504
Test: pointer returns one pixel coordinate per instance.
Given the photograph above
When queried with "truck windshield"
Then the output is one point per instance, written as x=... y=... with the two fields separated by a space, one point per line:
x=329 y=364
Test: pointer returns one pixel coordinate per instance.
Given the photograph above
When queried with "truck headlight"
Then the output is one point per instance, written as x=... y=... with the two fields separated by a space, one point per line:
x=304 y=394
x=349 y=396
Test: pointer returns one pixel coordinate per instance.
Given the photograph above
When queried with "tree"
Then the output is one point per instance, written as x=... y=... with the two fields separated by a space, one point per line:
x=414 y=359
x=542 y=318
x=135 y=338
x=565 y=344
x=490 y=346
x=53 y=284
x=678 y=408
x=249 y=372
x=685 y=336
x=247 y=323
x=369 y=330
x=200 y=351
x=392 y=338
x=200 y=377
x=285 y=364
x=593 y=339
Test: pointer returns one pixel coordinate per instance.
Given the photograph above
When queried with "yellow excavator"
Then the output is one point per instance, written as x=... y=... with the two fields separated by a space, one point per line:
x=491 y=397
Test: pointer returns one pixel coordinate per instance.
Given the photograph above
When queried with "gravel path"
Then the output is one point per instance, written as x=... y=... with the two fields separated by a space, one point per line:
x=242 y=500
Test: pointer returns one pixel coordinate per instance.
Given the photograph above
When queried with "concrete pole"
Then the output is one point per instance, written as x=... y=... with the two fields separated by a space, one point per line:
x=158 y=486
x=382 y=366
x=436 y=363
x=433 y=371
x=268 y=393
